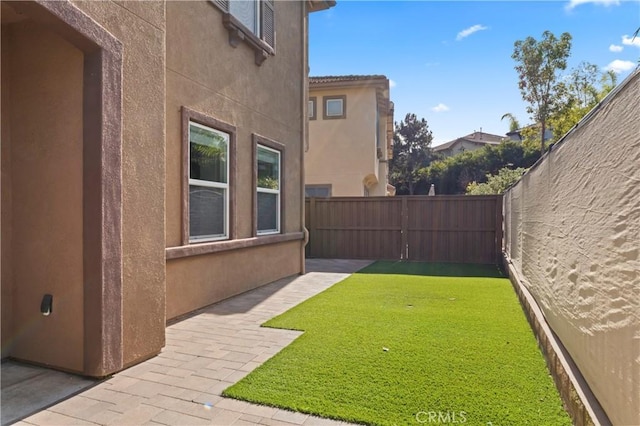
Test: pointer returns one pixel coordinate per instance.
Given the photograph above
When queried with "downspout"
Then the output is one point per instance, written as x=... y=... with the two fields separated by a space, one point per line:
x=304 y=130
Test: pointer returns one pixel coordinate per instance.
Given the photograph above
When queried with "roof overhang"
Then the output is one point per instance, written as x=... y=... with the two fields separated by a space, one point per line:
x=318 y=5
x=379 y=83
x=376 y=82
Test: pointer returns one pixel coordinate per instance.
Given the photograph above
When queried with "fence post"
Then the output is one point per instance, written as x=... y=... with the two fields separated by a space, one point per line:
x=499 y=222
x=404 y=213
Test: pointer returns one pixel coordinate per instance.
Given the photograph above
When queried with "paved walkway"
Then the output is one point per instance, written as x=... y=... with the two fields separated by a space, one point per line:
x=204 y=355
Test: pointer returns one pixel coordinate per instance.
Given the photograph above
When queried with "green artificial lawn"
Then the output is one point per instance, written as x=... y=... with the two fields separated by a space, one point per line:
x=458 y=350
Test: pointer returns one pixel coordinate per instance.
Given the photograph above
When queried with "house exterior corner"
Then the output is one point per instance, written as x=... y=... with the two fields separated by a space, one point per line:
x=172 y=176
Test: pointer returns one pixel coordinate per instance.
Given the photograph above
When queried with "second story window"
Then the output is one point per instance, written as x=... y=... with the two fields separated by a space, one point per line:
x=247 y=12
x=334 y=107
x=250 y=21
x=312 y=108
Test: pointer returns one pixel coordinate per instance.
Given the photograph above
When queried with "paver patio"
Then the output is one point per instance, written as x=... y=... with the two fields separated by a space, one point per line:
x=204 y=354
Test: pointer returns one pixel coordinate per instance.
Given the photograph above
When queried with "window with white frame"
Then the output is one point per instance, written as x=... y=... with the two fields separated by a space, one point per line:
x=334 y=107
x=268 y=178
x=208 y=183
x=312 y=108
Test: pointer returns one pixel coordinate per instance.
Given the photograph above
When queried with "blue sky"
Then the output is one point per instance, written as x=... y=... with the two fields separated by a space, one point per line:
x=450 y=61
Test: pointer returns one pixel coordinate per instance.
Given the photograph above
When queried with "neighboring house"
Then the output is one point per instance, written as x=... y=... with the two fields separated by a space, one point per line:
x=152 y=164
x=470 y=142
x=350 y=136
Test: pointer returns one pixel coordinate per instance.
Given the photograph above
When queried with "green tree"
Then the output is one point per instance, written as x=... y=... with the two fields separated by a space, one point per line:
x=538 y=64
x=585 y=87
x=608 y=81
x=496 y=184
x=452 y=175
x=514 y=124
x=411 y=152
x=583 y=82
x=636 y=34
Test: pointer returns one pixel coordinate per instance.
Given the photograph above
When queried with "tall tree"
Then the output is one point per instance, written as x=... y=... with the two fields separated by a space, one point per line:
x=636 y=34
x=411 y=152
x=514 y=124
x=608 y=81
x=582 y=84
x=538 y=64
x=585 y=87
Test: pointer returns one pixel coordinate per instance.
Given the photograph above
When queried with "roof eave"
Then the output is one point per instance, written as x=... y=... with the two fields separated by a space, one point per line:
x=382 y=83
x=318 y=5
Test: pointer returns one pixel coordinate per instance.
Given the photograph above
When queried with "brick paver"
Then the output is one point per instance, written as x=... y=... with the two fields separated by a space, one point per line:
x=204 y=354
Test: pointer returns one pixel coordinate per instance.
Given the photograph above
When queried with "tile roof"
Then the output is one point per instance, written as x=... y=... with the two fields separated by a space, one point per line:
x=475 y=137
x=344 y=78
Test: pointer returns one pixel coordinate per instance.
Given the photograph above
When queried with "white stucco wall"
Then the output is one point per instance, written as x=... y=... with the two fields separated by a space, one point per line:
x=573 y=233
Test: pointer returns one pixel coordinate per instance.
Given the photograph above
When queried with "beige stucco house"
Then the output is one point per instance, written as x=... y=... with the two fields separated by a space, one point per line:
x=152 y=164
x=350 y=136
x=470 y=142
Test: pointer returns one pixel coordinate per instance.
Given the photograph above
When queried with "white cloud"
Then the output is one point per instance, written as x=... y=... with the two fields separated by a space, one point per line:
x=575 y=3
x=467 y=32
x=440 y=108
x=619 y=66
x=392 y=83
x=615 y=48
x=631 y=41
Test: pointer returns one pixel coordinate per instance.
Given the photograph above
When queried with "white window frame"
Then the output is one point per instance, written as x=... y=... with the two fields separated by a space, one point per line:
x=270 y=191
x=311 y=109
x=329 y=114
x=210 y=184
x=326 y=100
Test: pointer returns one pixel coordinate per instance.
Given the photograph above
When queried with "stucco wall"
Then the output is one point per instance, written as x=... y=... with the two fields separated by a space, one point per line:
x=199 y=281
x=343 y=151
x=206 y=74
x=198 y=69
x=573 y=234
x=42 y=196
x=141 y=30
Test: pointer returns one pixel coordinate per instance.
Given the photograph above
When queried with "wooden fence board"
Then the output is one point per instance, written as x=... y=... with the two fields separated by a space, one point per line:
x=455 y=229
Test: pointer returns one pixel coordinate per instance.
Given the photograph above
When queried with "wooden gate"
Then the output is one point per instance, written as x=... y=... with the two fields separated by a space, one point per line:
x=454 y=229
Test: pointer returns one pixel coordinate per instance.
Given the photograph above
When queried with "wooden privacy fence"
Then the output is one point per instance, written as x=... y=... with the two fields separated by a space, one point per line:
x=455 y=229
